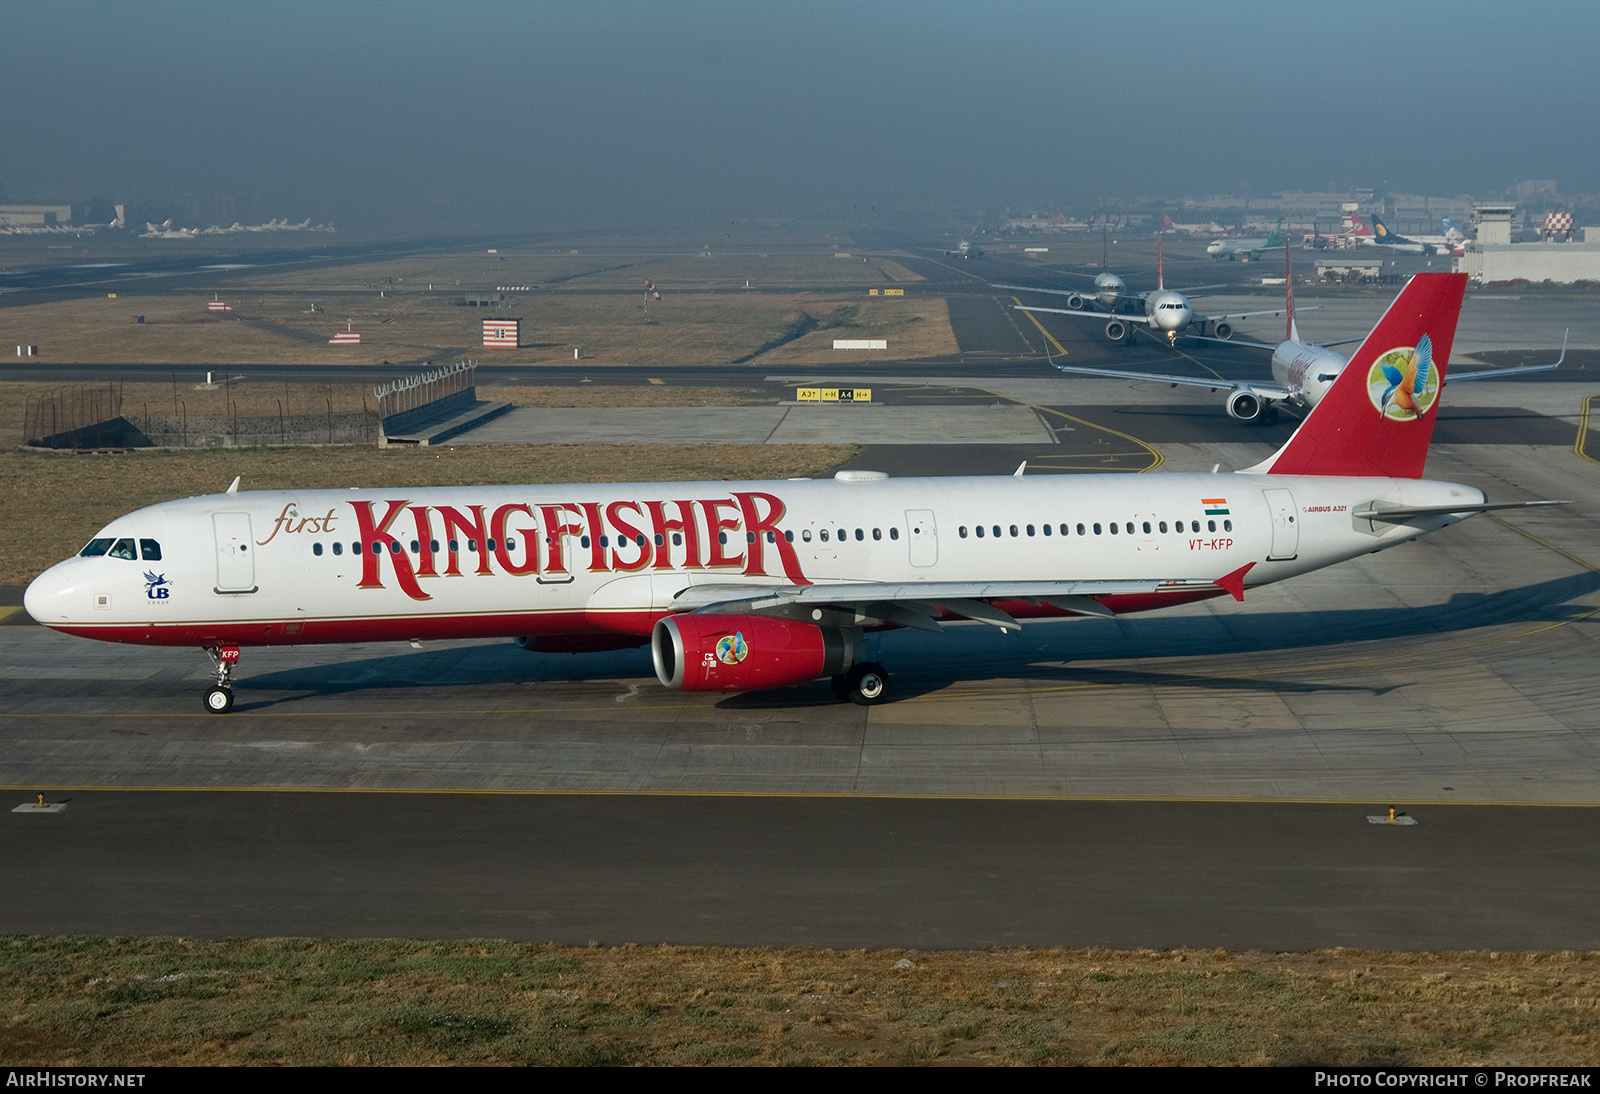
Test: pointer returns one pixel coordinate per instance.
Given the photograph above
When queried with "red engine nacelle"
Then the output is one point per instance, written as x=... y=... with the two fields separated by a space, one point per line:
x=745 y=652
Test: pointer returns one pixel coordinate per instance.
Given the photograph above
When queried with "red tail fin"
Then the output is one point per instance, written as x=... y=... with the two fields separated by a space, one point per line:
x=1378 y=417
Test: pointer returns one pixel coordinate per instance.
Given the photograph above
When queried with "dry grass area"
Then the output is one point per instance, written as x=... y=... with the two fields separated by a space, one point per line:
x=57 y=501
x=155 y=1002
x=401 y=327
x=409 y=310
x=610 y=268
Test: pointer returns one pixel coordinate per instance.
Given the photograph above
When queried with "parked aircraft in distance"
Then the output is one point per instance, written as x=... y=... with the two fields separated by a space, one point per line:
x=1379 y=236
x=1452 y=241
x=964 y=250
x=1303 y=372
x=165 y=230
x=1247 y=250
x=747 y=585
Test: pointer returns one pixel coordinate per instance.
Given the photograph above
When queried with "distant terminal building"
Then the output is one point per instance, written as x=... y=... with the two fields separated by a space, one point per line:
x=1560 y=256
x=35 y=216
x=502 y=333
x=1562 y=263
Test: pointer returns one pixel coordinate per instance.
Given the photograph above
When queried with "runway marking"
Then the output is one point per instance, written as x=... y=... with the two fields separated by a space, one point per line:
x=1157 y=459
x=798 y=795
x=7 y=613
x=1047 y=335
x=1546 y=544
x=1583 y=431
x=653 y=380
x=1196 y=361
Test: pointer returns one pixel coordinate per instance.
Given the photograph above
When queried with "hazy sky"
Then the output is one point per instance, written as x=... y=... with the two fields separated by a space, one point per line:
x=530 y=115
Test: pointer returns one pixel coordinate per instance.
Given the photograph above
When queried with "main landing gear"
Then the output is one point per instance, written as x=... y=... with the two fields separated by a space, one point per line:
x=219 y=696
x=865 y=685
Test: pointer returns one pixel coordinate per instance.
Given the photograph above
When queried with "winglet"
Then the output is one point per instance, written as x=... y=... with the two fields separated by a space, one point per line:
x=1234 y=582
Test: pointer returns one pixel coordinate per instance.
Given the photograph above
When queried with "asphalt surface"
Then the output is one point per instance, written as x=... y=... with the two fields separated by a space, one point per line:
x=1202 y=777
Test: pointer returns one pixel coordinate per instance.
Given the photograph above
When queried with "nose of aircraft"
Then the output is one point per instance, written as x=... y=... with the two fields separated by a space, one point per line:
x=45 y=598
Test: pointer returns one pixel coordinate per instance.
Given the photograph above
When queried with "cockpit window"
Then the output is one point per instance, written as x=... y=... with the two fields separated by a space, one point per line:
x=123 y=548
x=95 y=549
x=150 y=550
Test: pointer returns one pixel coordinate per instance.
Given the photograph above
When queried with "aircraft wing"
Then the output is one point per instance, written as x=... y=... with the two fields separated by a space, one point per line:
x=1277 y=312
x=1086 y=294
x=1271 y=392
x=919 y=604
x=1231 y=341
x=1078 y=311
x=1499 y=373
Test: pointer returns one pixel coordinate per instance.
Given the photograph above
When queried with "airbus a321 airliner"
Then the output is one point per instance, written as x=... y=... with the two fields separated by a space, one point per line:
x=746 y=585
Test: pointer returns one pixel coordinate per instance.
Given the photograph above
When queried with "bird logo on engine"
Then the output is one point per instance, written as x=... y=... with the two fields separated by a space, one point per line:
x=731 y=649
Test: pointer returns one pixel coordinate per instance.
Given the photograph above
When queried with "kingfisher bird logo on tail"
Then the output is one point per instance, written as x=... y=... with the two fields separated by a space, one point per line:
x=1377 y=418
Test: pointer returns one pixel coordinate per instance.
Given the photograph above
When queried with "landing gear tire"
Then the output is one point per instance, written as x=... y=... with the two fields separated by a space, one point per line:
x=219 y=700
x=864 y=685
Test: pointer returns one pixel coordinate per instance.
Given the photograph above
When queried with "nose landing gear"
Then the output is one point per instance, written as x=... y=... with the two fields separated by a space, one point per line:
x=219 y=696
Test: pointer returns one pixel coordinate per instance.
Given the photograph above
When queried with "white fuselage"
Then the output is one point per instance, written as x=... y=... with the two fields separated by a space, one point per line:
x=571 y=560
x=1228 y=248
x=1168 y=311
x=1306 y=371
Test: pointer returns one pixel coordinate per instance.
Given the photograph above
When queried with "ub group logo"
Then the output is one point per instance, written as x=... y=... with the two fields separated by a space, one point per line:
x=731 y=649
x=156 y=586
x=1403 y=383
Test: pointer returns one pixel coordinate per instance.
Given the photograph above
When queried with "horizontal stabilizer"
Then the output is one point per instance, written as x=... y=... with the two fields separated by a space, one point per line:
x=1395 y=514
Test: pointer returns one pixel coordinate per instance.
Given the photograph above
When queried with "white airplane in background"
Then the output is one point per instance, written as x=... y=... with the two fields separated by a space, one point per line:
x=1303 y=372
x=1452 y=242
x=165 y=230
x=1247 y=250
x=1379 y=236
x=1167 y=313
x=748 y=585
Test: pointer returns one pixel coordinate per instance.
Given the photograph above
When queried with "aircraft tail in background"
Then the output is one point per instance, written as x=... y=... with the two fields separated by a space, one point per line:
x=1377 y=419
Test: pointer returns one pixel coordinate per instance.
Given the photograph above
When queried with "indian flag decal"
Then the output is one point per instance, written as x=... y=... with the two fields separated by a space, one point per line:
x=1215 y=507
